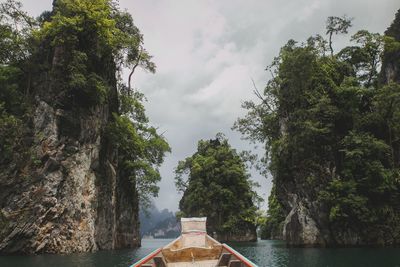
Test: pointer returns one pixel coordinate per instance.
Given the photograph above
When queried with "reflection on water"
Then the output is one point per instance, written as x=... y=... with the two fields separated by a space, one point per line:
x=265 y=253
x=120 y=258
x=276 y=254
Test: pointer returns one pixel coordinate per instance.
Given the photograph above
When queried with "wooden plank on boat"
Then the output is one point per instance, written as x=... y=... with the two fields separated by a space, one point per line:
x=206 y=263
x=159 y=262
x=235 y=263
x=224 y=259
x=239 y=256
x=194 y=240
x=188 y=254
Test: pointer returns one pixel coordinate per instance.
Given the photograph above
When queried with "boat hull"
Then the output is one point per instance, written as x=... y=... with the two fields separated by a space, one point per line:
x=192 y=256
x=194 y=248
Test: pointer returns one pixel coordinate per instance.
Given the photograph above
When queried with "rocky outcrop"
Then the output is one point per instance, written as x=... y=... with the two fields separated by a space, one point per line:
x=246 y=234
x=62 y=187
x=69 y=195
x=275 y=235
x=299 y=226
x=73 y=200
x=307 y=221
x=391 y=59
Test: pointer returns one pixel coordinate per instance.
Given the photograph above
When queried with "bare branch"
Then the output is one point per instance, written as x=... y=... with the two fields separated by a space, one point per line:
x=134 y=68
x=258 y=94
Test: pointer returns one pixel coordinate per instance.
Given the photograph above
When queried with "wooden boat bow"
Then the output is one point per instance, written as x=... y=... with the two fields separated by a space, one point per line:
x=194 y=248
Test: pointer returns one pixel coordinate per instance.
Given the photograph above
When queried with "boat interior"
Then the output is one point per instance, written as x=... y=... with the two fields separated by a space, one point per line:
x=193 y=248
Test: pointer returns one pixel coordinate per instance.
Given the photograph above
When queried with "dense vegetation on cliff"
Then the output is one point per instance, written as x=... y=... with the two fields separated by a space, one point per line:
x=330 y=123
x=90 y=39
x=215 y=184
x=69 y=124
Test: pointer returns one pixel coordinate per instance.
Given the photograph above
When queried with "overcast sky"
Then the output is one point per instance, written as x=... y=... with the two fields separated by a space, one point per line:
x=206 y=54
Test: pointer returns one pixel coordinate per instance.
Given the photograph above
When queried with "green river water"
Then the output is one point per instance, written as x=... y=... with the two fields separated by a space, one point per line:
x=264 y=253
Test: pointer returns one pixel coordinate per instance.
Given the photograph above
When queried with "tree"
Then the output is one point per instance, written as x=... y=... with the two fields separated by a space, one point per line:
x=331 y=135
x=15 y=30
x=215 y=183
x=16 y=49
x=335 y=25
x=132 y=53
x=141 y=150
x=365 y=56
x=272 y=226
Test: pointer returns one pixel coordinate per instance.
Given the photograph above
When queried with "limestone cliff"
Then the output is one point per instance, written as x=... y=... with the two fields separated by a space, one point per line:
x=73 y=199
x=391 y=59
x=69 y=194
x=307 y=222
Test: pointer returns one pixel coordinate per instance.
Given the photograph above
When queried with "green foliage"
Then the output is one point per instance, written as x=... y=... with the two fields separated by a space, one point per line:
x=141 y=149
x=79 y=26
x=10 y=93
x=216 y=184
x=131 y=52
x=273 y=223
x=15 y=30
x=16 y=47
x=77 y=20
x=84 y=37
x=365 y=58
x=11 y=129
x=335 y=25
x=90 y=35
x=394 y=28
x=88 y=87
x=347 y=206
x=338 y=24
x=331 y=129
x=75 y=54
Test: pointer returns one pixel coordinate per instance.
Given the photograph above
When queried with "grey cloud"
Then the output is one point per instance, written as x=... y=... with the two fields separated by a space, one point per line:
x=254 y=31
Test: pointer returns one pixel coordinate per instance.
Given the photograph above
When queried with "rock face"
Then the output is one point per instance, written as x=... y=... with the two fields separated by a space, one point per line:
x=249 y=236
x=391 y=59
x=307 y=225
x=299 y=226
x=67 y=192
x=70 y=197
x=303 y=226
x=275 y=235
x=74 y=200
x=307 y=222
x=246 y=233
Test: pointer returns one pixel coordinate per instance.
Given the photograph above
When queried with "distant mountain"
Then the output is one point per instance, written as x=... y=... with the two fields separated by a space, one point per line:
x=158 y=224
x=168 y=228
